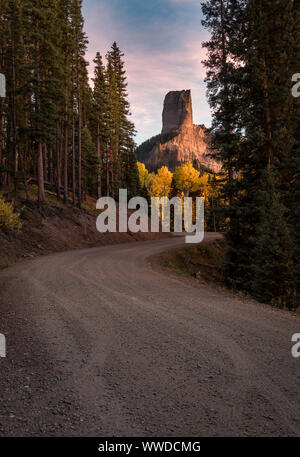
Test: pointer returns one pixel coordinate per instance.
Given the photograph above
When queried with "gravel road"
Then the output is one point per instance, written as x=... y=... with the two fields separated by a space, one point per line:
x=101 y=344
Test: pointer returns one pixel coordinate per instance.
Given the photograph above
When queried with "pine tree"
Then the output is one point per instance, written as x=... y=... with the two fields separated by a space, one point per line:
x=100 y=115
x=90 y=163
x=271 y=254
x=121 y=129
x=262 y=119
x=79 y=44
x=3 y=67
x=223 y=19
x=293 y=177
x=265 y=116
x=42 y=37
x=52 y=115
x=65 y=47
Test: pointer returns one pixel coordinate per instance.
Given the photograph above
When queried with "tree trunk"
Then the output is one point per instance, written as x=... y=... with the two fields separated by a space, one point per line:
x=226 y=90
x=107 y=175
x=14 y=122
x=57 y=163
x=24 y=177
x=99 y=154
x=266 y=96
x=40 y=171
x=79 y=154
x=66 y=193
x=40 y=174
x=46 y=163
x=51 y=178
x=73 y=162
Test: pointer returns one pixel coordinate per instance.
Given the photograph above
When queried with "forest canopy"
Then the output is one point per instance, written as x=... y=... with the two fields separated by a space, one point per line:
x=56 y=129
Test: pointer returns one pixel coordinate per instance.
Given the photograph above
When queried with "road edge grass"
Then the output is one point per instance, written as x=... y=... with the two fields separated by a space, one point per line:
x=201 y=263
x=201 y=266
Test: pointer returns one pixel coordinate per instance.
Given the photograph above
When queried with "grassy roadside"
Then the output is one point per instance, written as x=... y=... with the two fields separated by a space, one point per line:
x=201 y=262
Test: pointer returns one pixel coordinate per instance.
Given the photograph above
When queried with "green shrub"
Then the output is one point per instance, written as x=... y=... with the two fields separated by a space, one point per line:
x=8 y=218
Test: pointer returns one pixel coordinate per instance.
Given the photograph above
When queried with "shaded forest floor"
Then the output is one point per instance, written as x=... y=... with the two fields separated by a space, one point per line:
x=56 y=227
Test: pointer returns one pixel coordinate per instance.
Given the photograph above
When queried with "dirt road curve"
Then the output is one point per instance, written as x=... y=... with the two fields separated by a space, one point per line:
x=99 y=344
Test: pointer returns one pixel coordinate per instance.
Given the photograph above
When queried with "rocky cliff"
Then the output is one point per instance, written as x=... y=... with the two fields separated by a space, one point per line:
x=180 y=140
x=178 y=111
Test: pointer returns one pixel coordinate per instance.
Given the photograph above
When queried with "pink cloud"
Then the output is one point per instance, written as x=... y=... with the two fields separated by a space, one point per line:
x=152 y=72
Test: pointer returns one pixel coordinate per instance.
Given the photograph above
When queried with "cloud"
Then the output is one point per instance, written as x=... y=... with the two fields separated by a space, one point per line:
x=163 y=52
x=183 y=2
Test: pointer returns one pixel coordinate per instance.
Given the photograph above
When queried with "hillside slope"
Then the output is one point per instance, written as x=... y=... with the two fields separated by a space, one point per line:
x=58 y=227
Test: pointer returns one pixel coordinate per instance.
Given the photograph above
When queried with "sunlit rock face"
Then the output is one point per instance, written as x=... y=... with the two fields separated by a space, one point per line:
x=181 y=140
x=178 y=111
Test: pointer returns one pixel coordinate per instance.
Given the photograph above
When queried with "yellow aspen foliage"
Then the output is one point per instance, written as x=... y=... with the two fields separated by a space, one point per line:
x=8 y=218
x=161 y=185
x=144 y=176
x=186 y=178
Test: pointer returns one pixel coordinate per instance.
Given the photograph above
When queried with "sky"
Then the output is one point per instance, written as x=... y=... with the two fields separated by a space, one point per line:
x=162 y=43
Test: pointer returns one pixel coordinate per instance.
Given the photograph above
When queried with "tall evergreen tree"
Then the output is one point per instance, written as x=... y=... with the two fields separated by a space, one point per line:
x=261 y=114
x=65 y=47
x=223 y=19
x=79 y=42
x=121 y=129
x=293 y=177
x=53 y=126
x=100 y=118
x=41 y=38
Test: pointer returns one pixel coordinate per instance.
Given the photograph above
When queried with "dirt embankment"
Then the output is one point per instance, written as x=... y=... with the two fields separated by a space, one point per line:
x=56 y=228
